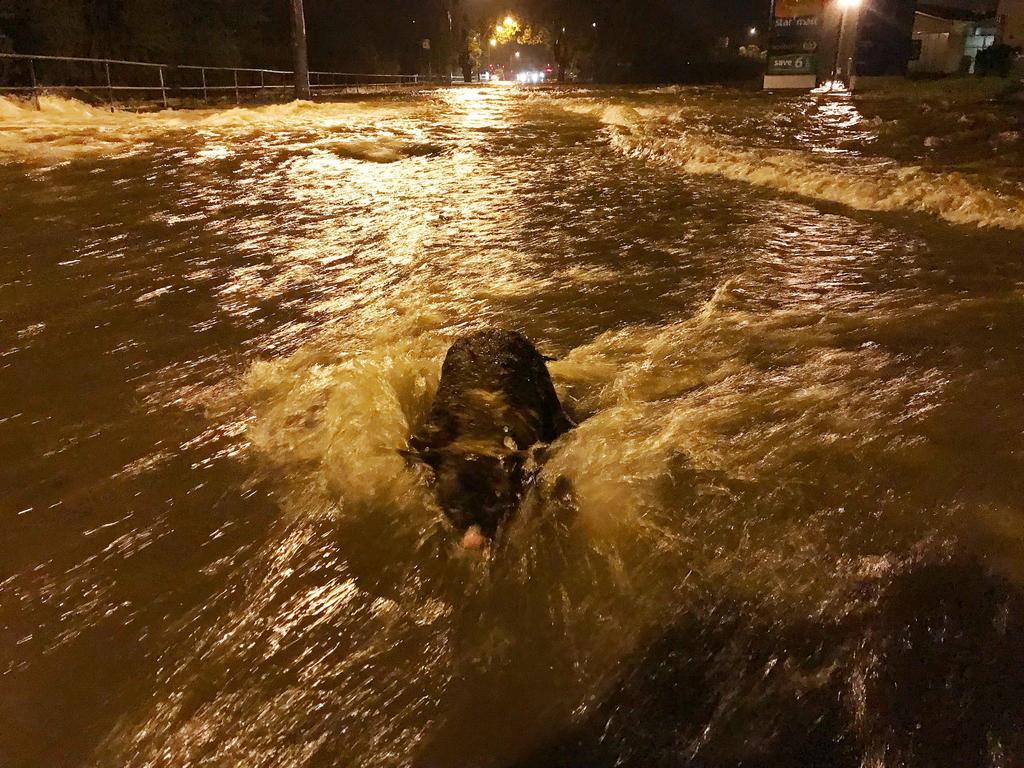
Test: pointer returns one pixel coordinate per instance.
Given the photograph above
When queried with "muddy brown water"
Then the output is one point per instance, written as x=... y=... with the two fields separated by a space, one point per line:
x=786 y=532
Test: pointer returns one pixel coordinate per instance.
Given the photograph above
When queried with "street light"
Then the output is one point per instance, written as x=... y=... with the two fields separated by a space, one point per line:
x=753 y=31
x=844 y=6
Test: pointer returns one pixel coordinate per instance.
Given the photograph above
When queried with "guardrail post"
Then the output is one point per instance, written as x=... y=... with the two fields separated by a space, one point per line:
x=170 y=79
x=110 y=87
x=163 y=87
x=32 y=78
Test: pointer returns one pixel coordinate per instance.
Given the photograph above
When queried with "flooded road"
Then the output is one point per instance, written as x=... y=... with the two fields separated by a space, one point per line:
x=788 y=529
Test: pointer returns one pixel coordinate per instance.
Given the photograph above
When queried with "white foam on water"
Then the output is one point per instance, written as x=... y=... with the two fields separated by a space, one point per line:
x=873 y=186
x=348 y=410
x=684 y=426
x=660 y=407
x=685 y=405
x=62 y=130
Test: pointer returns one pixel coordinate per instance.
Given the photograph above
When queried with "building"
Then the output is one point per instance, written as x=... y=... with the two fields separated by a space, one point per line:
x=7 y=18
x=814 y=42
x=946 y=40
x=883 y=44
x=1010 y=23
x=793 y=40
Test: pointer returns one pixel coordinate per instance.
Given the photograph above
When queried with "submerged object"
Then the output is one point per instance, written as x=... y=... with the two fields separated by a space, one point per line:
x=494 y=410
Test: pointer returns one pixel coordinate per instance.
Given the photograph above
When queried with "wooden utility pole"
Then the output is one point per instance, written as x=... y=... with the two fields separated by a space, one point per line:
x=300 y=61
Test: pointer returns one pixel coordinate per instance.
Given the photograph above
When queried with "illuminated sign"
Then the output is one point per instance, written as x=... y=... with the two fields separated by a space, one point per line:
x=793 y=38
x=792 y=64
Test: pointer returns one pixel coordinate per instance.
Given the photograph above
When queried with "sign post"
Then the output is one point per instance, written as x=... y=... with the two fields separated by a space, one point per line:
x=301 y=62
x=793 y=44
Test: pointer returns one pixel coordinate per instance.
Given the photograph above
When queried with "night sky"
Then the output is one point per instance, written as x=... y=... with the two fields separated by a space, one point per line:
x=638 y=40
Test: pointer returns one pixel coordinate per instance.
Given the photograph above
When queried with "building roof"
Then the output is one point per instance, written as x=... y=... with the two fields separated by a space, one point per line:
x=950 y=13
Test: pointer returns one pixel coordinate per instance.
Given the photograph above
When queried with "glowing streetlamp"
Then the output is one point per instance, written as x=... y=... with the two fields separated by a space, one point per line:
x=509 y=21
x=844 y=6
x=493 y=42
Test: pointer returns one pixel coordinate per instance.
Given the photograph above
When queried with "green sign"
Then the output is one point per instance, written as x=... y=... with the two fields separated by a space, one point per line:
x=792 y=64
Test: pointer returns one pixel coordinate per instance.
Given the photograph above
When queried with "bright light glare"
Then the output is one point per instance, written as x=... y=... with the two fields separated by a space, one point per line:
x=849 y=3
x=509 y=21
x=493 y=42
x=832 y=86
x=530 y=77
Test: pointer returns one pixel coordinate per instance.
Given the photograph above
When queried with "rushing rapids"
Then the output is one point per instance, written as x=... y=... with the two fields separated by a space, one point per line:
x=786 y=531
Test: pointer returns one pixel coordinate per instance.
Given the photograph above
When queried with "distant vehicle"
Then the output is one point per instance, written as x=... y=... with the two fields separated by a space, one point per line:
x=529 y=76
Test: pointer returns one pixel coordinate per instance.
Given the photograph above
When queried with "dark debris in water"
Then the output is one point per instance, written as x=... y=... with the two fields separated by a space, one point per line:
x=921 y=668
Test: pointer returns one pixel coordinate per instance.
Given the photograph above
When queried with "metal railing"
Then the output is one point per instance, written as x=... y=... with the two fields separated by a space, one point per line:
x=39 y=73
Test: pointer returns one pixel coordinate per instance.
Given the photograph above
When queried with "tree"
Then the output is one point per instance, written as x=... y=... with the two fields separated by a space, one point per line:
x=569 y=25
x=150 y=31
x=54 y=26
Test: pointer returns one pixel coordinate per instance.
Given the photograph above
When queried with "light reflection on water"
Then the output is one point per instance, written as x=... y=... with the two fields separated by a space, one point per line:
x=799 y=424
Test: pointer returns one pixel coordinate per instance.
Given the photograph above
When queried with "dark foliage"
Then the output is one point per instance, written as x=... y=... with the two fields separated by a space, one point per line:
x=996 y=60
x=608 y=40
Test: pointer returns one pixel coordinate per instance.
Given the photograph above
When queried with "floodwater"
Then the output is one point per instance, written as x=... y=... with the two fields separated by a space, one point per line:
x=788 y=530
